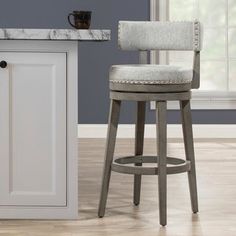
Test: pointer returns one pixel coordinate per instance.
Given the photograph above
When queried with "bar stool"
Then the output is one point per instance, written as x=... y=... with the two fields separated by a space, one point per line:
x=160 y=83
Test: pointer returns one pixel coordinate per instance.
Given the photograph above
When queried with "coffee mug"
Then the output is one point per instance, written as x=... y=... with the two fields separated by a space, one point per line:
x=82 y=19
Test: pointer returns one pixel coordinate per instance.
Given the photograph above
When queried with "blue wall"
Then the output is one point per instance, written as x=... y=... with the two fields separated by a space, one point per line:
x=95 y=58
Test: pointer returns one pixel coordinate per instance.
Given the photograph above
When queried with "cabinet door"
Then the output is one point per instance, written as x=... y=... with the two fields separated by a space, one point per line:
x=33 y=129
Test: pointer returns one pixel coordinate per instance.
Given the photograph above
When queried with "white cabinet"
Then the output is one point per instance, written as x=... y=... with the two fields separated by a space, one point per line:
x=38 y=130
x=33 y=129
x=38 y=122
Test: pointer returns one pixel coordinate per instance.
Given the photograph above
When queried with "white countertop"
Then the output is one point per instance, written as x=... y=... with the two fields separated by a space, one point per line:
x=55 y=34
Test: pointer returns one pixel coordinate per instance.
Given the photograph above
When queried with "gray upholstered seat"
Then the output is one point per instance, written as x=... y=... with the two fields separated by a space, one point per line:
x=150 y=74
x=152 y=78
x=156 y=35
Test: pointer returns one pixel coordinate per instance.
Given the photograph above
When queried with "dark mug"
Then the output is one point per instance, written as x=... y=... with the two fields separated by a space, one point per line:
x=82 y=19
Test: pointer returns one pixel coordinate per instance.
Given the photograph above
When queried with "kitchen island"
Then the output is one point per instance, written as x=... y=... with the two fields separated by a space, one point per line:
x=38 y=121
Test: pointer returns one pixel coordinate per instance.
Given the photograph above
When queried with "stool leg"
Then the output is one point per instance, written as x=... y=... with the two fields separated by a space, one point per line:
x=109 y=153
x=189 y=151
x=161 y=117
x=139 y=137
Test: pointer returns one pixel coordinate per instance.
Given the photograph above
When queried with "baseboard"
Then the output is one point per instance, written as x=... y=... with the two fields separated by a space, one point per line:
x=174 y=131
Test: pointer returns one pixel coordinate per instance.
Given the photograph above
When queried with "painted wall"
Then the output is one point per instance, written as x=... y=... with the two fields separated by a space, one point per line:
x=96 y=58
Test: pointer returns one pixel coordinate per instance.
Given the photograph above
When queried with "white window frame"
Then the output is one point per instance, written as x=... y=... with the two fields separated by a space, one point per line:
x=202 y=100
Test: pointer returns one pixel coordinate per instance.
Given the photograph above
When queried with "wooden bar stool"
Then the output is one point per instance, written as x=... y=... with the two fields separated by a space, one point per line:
x=161 y=83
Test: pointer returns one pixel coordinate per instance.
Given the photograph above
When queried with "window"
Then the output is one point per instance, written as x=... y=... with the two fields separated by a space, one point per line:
x=218 y=59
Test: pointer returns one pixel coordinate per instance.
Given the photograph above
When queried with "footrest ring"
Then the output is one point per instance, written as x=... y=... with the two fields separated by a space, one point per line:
x=174 y=165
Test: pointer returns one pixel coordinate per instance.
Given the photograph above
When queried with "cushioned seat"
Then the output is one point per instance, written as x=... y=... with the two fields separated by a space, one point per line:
x=150 y=76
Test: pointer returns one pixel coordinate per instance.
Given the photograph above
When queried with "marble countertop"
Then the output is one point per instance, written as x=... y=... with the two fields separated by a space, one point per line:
x=55 y=34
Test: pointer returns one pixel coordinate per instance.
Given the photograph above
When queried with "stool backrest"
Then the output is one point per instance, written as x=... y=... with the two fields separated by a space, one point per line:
x=159 y=35
x=163 y=35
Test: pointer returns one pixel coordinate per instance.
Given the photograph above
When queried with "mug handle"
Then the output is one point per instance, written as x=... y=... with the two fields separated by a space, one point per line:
x=71 y=14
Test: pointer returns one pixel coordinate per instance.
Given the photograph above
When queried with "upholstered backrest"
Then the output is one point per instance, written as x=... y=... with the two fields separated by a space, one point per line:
x=159 y=35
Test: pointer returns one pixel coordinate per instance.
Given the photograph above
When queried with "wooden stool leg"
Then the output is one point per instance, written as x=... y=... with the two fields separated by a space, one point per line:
x=161 y=117
x=139 y=138
x=189 y=151
x=110 y=147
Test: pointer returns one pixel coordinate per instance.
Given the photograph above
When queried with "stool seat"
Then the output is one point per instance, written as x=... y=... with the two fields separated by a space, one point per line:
x=150 y=74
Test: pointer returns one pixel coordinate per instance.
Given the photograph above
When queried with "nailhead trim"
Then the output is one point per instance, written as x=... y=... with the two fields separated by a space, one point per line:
x=196 y=36
x=151 y=81
x=119 y=39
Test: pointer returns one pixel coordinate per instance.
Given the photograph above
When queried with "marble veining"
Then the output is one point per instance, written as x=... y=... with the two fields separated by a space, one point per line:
x=55 y=34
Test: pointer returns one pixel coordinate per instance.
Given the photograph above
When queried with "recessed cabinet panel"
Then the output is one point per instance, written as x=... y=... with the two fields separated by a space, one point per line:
x=33 y=129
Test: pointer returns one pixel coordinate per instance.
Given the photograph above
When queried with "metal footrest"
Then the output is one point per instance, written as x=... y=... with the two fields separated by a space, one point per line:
x=174 y=165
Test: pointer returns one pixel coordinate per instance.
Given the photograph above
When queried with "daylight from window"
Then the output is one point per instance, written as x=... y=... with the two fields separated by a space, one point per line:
x=218 y=59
